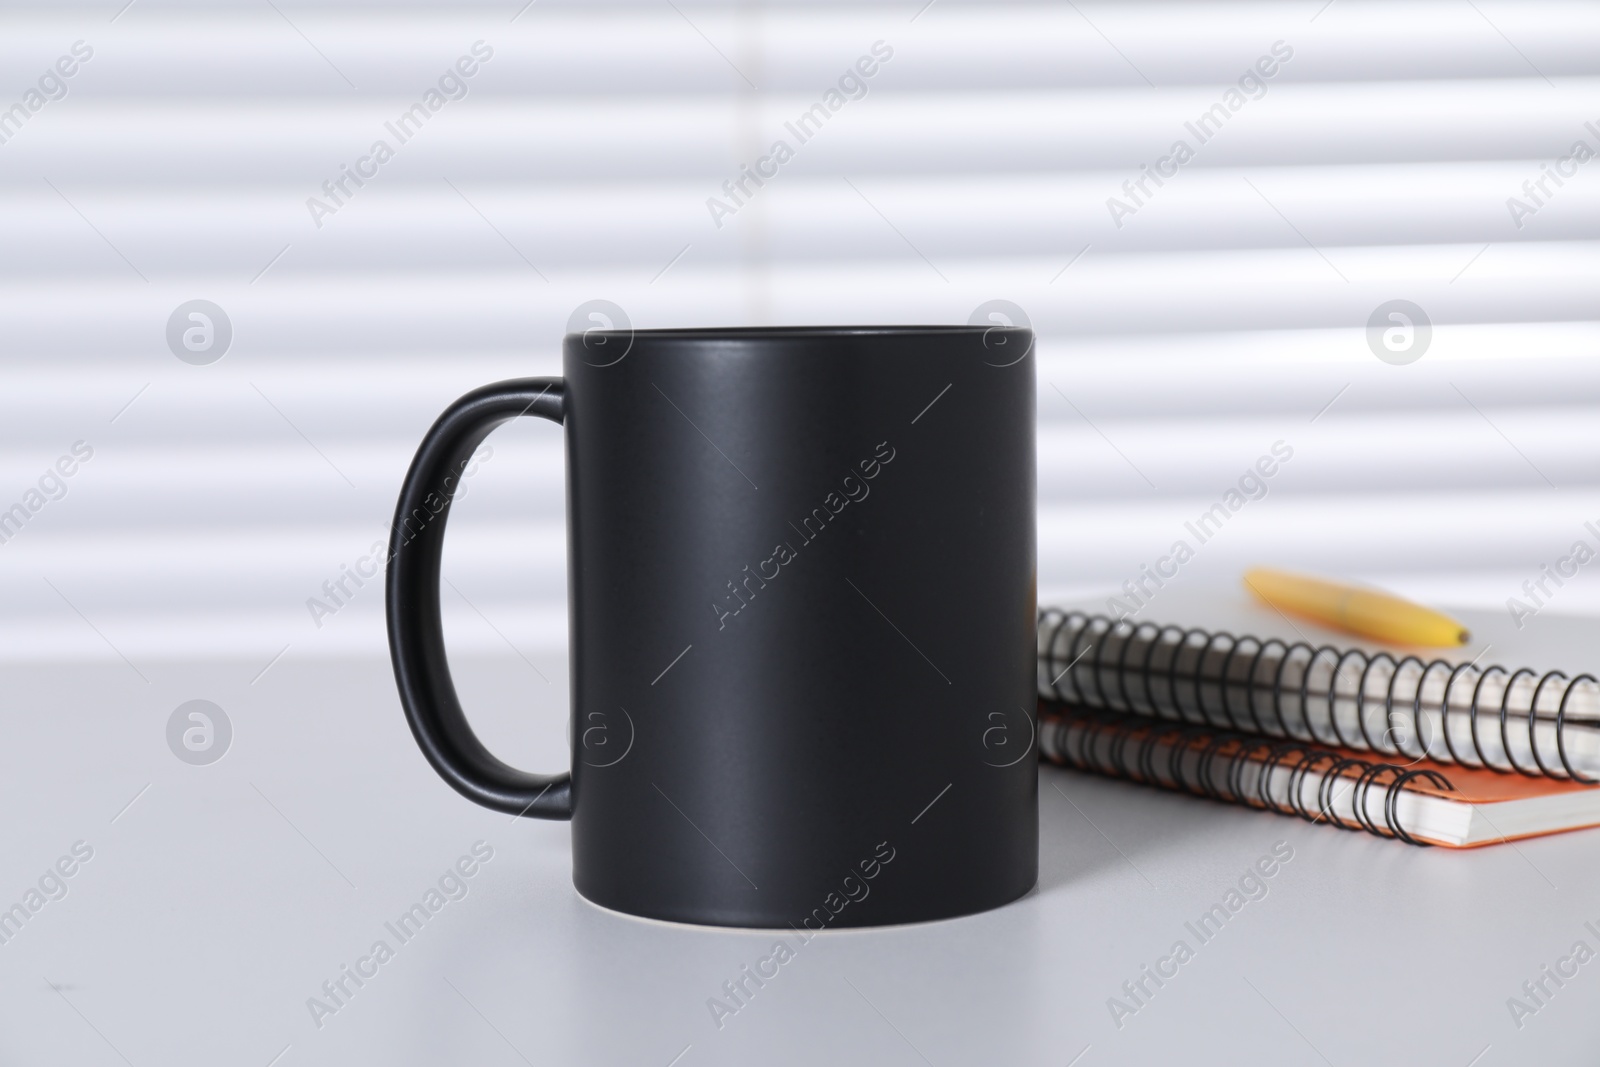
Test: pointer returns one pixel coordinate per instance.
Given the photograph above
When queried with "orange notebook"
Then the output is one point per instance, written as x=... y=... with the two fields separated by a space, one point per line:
x=1418 y=801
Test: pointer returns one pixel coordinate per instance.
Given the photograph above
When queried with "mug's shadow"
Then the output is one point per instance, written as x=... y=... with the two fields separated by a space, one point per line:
x=1088 y=824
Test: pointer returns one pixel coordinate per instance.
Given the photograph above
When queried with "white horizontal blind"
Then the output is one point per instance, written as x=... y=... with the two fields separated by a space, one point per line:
x=1225 y=313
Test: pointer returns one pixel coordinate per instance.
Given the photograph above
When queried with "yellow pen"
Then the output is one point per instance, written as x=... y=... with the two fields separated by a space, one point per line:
x=1364 y=612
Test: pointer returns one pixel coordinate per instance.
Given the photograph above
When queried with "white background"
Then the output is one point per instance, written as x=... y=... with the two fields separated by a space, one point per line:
x=1225 y=315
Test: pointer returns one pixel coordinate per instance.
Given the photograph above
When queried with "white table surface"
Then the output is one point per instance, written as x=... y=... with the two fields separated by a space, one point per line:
x=219 y=901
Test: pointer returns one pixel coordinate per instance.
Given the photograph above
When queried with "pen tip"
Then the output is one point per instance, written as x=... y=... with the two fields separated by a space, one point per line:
x=1464 y=637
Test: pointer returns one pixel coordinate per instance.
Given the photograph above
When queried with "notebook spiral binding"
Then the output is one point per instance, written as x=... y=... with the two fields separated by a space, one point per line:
x=1074 y=647
x=1103 y=738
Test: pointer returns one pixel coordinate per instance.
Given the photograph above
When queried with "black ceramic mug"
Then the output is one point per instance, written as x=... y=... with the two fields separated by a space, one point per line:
x=801 y=570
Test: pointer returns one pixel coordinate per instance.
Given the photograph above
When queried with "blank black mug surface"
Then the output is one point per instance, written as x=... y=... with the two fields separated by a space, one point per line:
x=801 y=571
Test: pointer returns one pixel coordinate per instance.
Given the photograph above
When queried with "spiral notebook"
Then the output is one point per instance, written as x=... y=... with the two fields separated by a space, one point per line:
x=1450 y=751
x=1421 y=802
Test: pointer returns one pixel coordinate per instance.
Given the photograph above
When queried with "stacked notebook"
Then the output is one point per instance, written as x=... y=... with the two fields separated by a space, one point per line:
x=1457 y=752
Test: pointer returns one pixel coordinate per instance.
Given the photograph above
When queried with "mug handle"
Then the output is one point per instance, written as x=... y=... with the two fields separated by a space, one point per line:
x=416 y=631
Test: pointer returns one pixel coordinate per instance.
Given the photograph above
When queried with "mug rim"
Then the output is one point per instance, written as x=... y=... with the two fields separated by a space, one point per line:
x=760 y=333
